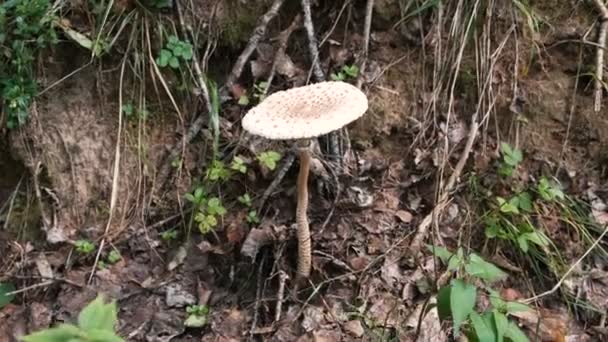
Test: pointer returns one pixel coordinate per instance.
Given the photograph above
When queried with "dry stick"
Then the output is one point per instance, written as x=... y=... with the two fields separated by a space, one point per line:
x=313 y=49
x=563 y=278
x=366 y=33
x=258 y=34
x=282 y=171
x=258 y=297
x=280 y=296
x=599 y=66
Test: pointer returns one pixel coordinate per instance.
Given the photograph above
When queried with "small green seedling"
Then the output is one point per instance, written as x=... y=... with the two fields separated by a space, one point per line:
x=238 y=164
x=169 y=235
x=252 y=217
x=96 y=322
x=217 y=171
x=245 y=199
x=84 y=246
x=173 y=52
x=511 y=157
x=269 y=159
x=549 y=191
x=114 y=256
x=346 y=72
x=197 y=316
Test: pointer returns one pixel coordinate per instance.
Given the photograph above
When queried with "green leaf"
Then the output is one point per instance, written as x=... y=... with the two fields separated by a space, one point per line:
x=269 y=159
x=190 y=198
x=456 y=261
x=214 y=207
x=174 y=62
x=243 y=100
x=195 y=321
x=163 y=58
x=4 y=297
x=516 y=307
x=508 y=207
x=443 y=303
x=515 y=334
x=478 y=267
x=462 y=302
x=502 y=323
x=441 y=252
x=62 y=333
x=537 y=237
x=522 y=241
x=525 y=201
x=97 y=335
x=483 y=329
x=506 y=148
x=97 y=315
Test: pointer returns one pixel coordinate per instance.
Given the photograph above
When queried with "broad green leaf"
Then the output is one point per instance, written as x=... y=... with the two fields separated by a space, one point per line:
x=478 y=267
x=525 y=201
x=443 y=303
x=198 y=193
x=97 y=315
x=484 y=331
x=62 y=333
x=522 y=241
x=515 y=334
x=462 y=302
x=269 y=159
x=496 y=300
x=456 y=260
x=538 y=238
x=97 y=335
x=4 y=297
x=516 y=307
x=502 y=324
x=506 y=148
x=441 y=252
x=190 y=198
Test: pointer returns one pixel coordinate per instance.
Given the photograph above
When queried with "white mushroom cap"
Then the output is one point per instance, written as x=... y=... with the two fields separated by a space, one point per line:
x=307 y=111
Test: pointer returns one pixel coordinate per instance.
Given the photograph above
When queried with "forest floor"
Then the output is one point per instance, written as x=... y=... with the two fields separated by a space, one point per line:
x=469 y=200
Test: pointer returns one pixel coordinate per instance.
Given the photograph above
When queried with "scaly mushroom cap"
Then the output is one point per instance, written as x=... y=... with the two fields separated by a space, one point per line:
x=307 y=111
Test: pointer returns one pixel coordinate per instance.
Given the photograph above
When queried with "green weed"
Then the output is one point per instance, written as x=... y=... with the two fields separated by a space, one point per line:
x=197 y=316
x=84 y=246
x=345 y=73
x=96 y=322
x=456 y=302
x=174 y=51
x=26 y=26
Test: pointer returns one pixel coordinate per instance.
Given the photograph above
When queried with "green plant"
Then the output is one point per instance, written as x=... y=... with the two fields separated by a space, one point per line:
x=96 y=323
x=114 y=256
x=238 y=164
x=5 y=296
x=549 y=191
x=26 y=26
x=84 y=246
x=269 y=159
x=207 y=210
x=173 y=51
x=346 y=72
x=169 y=235
x=245 y=199
x=252 y=217
x=457 y=300
x=217 y=171
x=511 y=157
x=197 y=316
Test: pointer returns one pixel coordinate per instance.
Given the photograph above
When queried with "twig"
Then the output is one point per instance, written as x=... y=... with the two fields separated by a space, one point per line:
x=282 y=46
x=280 y=296
x=565 y=276
x=31 y=287
x=366 y=33
x=258 y=298
x=282 y=171
x=599 y=63
x=313 y=47
x=258 y=34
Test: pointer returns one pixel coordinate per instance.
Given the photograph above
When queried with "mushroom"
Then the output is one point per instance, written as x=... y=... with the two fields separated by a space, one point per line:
x=300 y=114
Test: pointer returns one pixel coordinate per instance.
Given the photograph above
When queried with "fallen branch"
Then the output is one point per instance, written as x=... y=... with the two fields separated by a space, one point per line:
x=258 y=34
x=599 y=63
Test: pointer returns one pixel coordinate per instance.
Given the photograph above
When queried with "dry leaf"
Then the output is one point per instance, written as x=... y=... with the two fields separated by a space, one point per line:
x=256 y=238
x=404 y=216
x=354 y=328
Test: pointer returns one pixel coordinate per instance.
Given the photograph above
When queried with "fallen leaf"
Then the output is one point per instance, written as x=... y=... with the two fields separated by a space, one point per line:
x=326 y=335
x=43 y=266
x=404 y=216
x=354 y=328
x=391 y=272
x=256 y=239
x=313 y=316
x=178 y=258
x=358 y=263
x=176 y=295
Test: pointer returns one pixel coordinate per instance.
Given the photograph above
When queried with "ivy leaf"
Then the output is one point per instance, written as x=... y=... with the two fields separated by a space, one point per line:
x=62 y=333
x=4 y=297
x=97 y=315
x=462 y=302
x=478 y=267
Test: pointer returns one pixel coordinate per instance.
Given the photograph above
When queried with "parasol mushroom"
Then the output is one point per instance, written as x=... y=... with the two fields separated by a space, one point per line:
x=300 y=114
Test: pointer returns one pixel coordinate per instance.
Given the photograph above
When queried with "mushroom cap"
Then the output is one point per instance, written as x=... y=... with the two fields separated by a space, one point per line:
x=307 y=111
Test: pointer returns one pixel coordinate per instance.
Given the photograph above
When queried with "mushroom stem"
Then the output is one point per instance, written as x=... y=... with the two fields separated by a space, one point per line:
x=304 y=250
